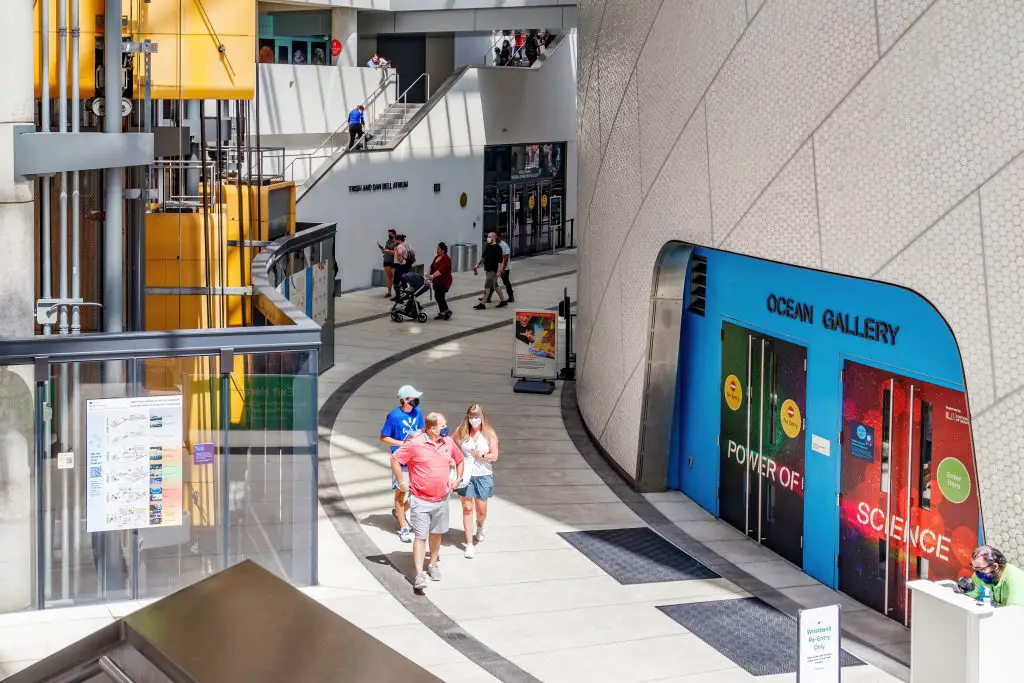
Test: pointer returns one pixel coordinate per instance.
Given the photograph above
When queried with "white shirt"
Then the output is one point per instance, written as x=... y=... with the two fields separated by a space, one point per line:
x=473 y=447
x=507 y=251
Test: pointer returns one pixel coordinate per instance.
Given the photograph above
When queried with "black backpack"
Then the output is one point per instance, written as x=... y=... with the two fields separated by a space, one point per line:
x=410 y=259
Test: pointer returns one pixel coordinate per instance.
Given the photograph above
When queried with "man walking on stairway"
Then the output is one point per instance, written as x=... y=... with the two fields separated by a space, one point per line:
x=356 y=121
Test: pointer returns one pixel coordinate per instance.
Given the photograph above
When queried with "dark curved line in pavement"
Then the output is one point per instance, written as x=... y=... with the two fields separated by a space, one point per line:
x=356 y=538
x=460 y=297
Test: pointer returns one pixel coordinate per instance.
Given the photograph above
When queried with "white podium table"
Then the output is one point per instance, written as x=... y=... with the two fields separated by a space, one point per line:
x=954 y=640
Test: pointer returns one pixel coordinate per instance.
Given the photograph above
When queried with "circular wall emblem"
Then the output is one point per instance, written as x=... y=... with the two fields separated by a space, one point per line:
x=791 y=422
x=733 y=392
x=544 y=201
x=954 y=480
x=532 y=201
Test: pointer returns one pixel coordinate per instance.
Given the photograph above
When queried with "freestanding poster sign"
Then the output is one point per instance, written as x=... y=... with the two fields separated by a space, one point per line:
x=819 y=642
x=535 y=354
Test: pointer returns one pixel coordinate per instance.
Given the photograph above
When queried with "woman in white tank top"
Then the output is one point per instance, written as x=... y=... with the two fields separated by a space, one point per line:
x=479 y=443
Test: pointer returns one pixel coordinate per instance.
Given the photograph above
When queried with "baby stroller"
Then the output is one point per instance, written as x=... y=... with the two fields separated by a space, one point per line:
x=406 y=303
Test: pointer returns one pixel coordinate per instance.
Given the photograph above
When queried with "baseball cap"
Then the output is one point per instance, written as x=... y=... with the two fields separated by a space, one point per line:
x=408 y=391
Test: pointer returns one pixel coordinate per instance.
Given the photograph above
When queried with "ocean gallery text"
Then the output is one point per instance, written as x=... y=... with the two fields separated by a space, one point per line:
x=835 y=321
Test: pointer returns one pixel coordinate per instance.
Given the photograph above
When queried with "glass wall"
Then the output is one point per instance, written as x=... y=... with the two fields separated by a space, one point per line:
x=524 y=194
x=295 y=38
x=154 y=473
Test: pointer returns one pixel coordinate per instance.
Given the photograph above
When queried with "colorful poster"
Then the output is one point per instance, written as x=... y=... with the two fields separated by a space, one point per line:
x=535 y=342
x=909 y=487
x=134 y=458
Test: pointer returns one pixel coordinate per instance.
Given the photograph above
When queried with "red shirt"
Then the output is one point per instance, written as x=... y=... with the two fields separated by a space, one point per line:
x=429 y=464
x=442 y=265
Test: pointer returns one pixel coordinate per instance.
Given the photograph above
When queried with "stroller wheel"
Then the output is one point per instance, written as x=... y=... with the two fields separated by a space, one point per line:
x=422 y=317
x=397 y=317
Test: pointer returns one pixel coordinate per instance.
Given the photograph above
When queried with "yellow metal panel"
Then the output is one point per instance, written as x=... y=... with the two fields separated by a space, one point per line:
x=206 y=48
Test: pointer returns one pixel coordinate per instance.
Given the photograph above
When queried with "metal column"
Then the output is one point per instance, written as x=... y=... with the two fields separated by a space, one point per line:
x=113 y=223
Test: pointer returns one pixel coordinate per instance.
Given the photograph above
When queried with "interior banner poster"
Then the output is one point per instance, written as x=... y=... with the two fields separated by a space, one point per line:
x=134 y=475
x=535 y=347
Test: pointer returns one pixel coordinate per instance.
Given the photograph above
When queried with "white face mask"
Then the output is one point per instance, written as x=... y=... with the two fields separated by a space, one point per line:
x=475 y=422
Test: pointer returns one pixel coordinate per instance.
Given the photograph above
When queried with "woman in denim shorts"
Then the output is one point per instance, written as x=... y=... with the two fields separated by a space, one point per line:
x=479 y=443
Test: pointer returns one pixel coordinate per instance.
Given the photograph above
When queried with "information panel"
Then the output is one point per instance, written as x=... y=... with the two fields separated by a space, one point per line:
x=818 y=645
x=535 y=345
x=134 y=478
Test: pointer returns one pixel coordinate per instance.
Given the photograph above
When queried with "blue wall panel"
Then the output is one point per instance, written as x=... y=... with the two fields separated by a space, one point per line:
x=738 y=290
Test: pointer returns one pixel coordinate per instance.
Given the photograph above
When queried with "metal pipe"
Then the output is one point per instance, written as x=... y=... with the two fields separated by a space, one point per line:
x=62 y=102
x=76 y=322
x=113 y=244
x=44 y=206
x=204 y=181
x=218 y=189
x=242 y=237
x=76 y=290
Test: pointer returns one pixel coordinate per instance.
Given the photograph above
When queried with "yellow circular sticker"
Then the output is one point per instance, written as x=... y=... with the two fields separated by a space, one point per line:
x=791 y=423
x=733 y=392
x=532 y=201
x=544 y=201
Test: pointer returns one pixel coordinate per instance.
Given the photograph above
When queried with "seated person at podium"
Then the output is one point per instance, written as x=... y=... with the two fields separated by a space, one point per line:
x=991 y=569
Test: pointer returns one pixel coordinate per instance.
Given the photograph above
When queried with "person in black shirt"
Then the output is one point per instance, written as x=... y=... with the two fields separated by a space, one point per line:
x=492 y=259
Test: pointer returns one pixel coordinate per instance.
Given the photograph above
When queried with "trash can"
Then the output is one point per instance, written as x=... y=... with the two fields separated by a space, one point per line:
x=463 y=255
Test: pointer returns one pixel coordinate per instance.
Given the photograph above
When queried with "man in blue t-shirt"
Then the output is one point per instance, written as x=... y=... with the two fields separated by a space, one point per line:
x=356 y=121
x=402 y=423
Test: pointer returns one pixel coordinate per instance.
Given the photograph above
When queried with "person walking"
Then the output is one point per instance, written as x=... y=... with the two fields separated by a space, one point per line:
x=429 y=458
x=506 y=263
x=479 y=443
x=401 y=424
x=356 y=121
x=492 y=259
x=389 y=260
x=402 y=265
x=441 y=279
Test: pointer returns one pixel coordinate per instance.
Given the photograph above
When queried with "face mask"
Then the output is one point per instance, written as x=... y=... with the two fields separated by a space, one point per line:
x=985 y=578
x=444 y=431
x=415 y=403
x=475 y=421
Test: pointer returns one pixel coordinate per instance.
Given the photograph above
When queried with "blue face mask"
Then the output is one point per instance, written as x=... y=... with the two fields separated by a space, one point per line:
x=444 y=431
x=985 y=578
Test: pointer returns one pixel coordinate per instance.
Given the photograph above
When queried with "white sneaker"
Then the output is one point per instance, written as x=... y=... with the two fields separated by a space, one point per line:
x=479 y=534
x=470 y=551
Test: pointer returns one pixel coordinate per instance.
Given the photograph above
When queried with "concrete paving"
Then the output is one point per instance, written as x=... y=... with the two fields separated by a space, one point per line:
x=528 y=596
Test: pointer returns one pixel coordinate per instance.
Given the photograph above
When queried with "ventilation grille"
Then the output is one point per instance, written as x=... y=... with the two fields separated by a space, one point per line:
x=698 y=285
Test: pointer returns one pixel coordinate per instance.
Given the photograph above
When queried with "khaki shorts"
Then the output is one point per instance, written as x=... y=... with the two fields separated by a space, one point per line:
x=427 y=518
x=491 y=281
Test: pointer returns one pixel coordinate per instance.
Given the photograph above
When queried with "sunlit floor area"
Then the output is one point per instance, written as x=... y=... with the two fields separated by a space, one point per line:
x=559 y=590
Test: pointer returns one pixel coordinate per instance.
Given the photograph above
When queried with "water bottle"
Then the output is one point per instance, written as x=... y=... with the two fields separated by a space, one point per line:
x=982 y=593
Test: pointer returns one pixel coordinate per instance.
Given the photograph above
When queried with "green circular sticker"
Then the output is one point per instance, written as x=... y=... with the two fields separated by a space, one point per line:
x=954 y=480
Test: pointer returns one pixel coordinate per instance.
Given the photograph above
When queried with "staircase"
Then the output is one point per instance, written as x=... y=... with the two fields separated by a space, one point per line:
x=386 y=130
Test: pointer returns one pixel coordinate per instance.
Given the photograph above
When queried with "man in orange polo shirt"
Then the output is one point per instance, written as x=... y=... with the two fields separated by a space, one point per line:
x=429 y=458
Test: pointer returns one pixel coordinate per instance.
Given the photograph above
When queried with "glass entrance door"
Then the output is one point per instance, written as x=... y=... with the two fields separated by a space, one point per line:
x=762 y=439
x=909 y=506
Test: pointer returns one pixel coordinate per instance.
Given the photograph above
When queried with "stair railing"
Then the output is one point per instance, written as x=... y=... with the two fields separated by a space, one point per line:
x=368 y=104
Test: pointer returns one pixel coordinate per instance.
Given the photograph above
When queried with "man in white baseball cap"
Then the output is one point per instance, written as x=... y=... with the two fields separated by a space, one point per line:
x=403 y=422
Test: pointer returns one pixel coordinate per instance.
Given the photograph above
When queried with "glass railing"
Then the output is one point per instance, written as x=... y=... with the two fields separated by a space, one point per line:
x=134 y=464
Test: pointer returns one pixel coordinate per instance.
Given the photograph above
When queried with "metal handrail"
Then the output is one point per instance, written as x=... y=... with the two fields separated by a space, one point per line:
x=403 y=97
x=299 y=333
x=380 y=90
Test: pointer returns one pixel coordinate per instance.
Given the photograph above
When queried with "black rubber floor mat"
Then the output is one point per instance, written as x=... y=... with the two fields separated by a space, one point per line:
x=637 y=555
x=749 y=631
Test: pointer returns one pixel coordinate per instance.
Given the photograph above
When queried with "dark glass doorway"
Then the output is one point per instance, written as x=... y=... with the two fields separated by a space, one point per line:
x=524 y=191
x=762 y=439
x=909 y=506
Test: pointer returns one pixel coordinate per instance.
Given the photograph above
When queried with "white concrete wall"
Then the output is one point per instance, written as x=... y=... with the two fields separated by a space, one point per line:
x=876 y=138
x=440 y=59
x=550 y=16
x=472 y=48
x=486 y=106
x=302 y=105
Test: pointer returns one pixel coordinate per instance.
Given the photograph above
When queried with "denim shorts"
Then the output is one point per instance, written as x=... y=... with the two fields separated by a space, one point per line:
x=480 y=488
x=405 y=477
